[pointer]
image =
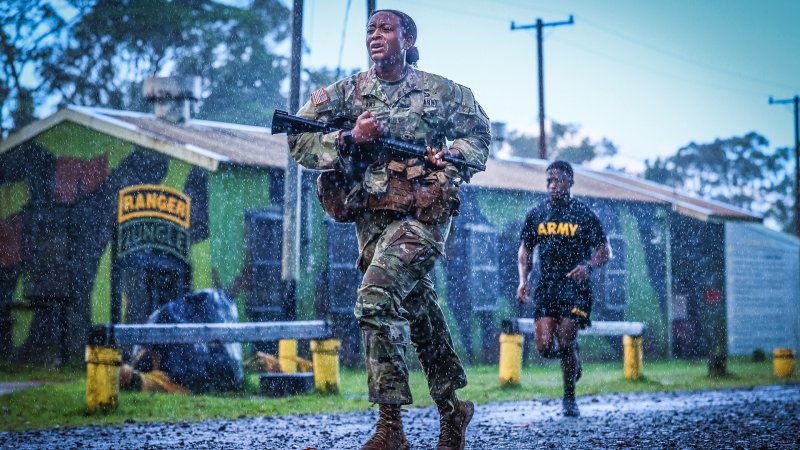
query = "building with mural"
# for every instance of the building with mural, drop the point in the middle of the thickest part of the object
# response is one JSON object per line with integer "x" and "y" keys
{"x": 105, "y": 215}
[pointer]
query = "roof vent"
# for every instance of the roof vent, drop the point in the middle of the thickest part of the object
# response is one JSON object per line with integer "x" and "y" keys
{"x": 172, "y": 96}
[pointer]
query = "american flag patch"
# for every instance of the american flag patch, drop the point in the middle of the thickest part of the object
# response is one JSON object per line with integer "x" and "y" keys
{"x": 319, "y": 96}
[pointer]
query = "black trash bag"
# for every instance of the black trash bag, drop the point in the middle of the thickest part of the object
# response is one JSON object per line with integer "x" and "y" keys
{"x": 205, "y": 366}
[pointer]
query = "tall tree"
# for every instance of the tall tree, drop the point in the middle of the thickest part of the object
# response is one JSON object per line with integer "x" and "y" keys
{"x": 740, "y": 170}
{"x": 32, "y": 31}
{"x": 119, "y": 42}
{"x": 563, "y": 142}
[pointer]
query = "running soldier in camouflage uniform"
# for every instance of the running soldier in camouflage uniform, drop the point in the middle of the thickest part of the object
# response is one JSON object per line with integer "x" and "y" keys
{"x": 402, "y": 210}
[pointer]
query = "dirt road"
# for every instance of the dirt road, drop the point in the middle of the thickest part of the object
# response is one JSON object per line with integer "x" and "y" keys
{"x": 758, "y": 418}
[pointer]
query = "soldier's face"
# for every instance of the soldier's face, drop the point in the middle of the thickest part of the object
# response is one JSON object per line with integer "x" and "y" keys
{"x": 558, "y": 185}
{"x": 386, "y": 42}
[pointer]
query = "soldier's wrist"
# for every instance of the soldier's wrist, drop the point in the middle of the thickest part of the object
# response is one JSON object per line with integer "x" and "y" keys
{"x": 455, "y": 152}
{"x": 345, "y": 138}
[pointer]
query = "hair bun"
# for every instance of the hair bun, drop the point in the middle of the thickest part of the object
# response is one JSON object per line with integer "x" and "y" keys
{"x": 412, "y": 55}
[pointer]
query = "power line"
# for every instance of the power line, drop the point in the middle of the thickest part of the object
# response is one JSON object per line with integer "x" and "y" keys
{"x": 680, "y": 57}
{"x": 460, "y": 11}
{"x": 796, "y": 102}
{"x": 655, "y": 71}
{"x": 539, "y": 26}
{"x": 615, "y": 33}
{"x": 341, "y": 42}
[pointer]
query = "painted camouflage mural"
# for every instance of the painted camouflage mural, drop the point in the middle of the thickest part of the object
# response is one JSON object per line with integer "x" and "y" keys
{"x": 58, "y": 200}
{"x": 632, "y": 287}
{"x": 58, "y": 208}
{"x": 478, "y": 280}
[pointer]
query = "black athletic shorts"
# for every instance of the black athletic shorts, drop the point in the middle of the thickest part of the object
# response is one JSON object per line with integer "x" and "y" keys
{"x": 563, "y": 298}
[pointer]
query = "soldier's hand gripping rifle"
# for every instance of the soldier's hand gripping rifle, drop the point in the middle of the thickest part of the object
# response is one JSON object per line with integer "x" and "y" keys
{"x": 283, "y": 122}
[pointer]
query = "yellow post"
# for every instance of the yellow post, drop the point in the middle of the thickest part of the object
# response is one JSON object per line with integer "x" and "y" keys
{"x": 287, "y": 355}
{"x": 325, "y": 358}
{"x": 102, "y": 378}
{"x": 783, "y": 362}
{"x": 510, "y": 358}
{"x": 632, "y": 352}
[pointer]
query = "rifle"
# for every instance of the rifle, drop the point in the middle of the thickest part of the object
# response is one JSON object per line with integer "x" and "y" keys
{"x": 283, "y": 122}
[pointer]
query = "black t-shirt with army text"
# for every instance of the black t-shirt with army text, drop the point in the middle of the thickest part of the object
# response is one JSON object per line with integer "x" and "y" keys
{"x": 565, "y": 233}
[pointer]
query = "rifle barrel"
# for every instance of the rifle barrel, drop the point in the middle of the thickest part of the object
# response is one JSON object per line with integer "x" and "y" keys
{"x": 283, "y": 122}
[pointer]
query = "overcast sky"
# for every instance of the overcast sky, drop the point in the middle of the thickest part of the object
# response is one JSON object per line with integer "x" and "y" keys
{"x": 651, "y": 76}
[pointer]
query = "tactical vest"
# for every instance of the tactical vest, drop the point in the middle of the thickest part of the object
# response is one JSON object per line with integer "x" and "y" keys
{"x": 389, "y": 183}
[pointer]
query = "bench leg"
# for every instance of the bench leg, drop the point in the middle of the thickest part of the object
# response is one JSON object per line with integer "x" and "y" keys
{"x": 325, "y": 358}
{"x": 510, "y": 358}
{"x": 287, "y": 355}
{"x": 102, "y": 378}
{"x": 632, "y": 351}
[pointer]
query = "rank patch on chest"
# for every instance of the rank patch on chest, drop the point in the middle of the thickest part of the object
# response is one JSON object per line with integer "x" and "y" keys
{"x": 319, "y": 96}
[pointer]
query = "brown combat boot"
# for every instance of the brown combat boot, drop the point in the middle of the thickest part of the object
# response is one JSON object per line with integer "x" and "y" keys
{"x": 453, "y": 421}
{"x": 389, "y": 433}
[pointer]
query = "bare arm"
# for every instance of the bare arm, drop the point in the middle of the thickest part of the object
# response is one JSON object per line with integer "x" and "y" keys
{"x": 599, "y": 258}
{"x": 524, "y": 269}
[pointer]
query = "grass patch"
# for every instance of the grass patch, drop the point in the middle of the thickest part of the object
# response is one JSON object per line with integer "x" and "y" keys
{"x": 61, "y": 403}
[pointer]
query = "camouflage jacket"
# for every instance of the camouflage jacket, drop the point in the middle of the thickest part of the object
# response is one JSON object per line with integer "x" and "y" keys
{"x": 427, "y": 108}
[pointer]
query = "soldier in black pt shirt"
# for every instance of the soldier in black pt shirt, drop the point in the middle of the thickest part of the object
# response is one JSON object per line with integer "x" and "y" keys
{"x": 571, "y": 244}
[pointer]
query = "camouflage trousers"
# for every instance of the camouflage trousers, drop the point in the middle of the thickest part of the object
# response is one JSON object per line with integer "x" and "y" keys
{"x": 397, "y": 304}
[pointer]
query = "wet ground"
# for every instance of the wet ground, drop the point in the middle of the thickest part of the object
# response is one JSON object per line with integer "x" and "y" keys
{"x": 758, "y": 418}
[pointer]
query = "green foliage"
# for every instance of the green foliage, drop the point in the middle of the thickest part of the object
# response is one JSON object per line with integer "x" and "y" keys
{"x": 740, "y": 170}
{"x": 117, "y": 43}
{"x": 317, "y": 78}
{"x": 31, "y": 32}
{"x": 563, "y": 142}
{"x": 97, "y": 53}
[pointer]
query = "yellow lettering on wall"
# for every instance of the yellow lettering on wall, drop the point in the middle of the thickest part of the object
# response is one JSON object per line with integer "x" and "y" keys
{"x": 127, "y": 203}
{"x": 152, "y": 200}
{"x": 180, "y": 210}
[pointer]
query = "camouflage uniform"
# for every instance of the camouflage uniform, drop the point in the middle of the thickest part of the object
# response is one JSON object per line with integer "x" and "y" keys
{"x": 397, "y": 303}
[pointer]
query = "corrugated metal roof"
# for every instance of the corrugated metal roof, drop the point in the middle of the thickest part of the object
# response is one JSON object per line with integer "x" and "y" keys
{"x": 238, "y": 144}
{"x": 207, "y": 144}
{"x": 529, "y": 175}
{"x": 200, "y": 142}
{"x": 718, "y": 209}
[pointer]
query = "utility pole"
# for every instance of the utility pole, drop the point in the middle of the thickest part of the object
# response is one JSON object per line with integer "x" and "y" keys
{"x": 290, "y": 258}
{"x": 370, "y": 10}
{"x": 795, "y": 100}
{"x": 539, "y": 25}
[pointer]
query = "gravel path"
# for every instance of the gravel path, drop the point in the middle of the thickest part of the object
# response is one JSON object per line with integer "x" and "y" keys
{"x": 758, "y": 418}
